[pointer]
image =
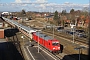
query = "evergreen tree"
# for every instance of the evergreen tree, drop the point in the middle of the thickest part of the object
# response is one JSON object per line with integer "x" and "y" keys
{"x": 23, "y": 12}
{"x": 56, "y": 17}
{"x": 72, "y": 10}
{"x": 64, "y": 12}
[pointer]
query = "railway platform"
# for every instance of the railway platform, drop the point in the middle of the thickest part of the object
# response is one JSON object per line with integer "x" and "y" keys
{"x": 31, "y": 53}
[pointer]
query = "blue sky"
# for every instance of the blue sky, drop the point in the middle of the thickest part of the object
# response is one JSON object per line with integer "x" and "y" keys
{"x": 59, "y": 5}
{"x": 71, "y": 1}
{"x": 6, "y": 1}
{"x": 54, "y": 1}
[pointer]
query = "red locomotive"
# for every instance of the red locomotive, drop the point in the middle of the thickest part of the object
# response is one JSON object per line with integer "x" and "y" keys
{"x": 49, "y": 43}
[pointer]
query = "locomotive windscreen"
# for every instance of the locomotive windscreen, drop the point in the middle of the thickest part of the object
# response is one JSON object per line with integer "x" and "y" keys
{"x": 55, "y": 43}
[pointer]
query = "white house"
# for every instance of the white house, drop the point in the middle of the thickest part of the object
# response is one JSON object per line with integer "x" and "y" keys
{"x": 6, "y": 13}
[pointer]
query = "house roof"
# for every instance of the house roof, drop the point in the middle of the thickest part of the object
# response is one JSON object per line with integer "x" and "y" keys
{"x": 49, "y": 16}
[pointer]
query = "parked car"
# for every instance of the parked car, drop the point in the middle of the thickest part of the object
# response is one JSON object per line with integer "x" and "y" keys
{"x": 60, "y": 28}
{"x": 71, "y": 32}
{"x": 80, "y": 31}
{"x": 82, "y": 35}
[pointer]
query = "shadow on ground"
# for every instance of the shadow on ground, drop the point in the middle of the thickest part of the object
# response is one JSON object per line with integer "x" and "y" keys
{"x": 10, "y": 32}
{"x": 9, "y": 52}
{"x": 75, "y": 57}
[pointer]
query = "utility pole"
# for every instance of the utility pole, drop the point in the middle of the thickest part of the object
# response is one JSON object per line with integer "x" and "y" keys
{"x": 38, "y": 42}
{"x": 53, "y": 31}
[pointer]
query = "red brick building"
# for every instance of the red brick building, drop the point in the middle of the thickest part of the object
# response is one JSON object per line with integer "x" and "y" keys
{"x": 1, "y": 28}
{"x": 1, "y": 33}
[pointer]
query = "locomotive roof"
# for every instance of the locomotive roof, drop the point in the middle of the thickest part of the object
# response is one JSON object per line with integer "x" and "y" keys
{"x": 44, "y": 36}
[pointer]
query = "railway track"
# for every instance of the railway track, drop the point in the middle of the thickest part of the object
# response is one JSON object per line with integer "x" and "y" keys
{"x": 70, "y": 38}
{"x": 67, "y": 36}
{"x": 69, "y": 52}
{"x": 55, "y": 56}
{"x": 59, "y": 56}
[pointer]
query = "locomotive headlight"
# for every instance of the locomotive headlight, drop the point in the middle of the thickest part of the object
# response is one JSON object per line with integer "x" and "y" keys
{"x": 58, "y": 47}
{"x": 53, "y": 48}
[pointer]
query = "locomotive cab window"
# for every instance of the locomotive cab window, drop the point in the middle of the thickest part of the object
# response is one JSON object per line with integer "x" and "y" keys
{"x": 55, "y": 43}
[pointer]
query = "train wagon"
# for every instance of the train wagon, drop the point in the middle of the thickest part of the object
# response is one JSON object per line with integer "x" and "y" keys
{"x": 48, "y": 42}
